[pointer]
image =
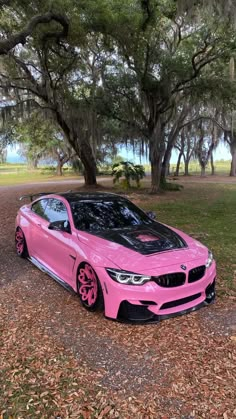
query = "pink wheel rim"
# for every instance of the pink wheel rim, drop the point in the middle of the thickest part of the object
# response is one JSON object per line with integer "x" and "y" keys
{"x": 19, "y": 242}
{"x": 88, "y": 287}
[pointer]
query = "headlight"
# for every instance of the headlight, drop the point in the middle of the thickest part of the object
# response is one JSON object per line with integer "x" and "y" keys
{"x": 209, "y": 259}
{"x": 129, "y": 278}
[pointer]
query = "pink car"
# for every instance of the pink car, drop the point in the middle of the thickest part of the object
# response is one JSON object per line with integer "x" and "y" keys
{"x": 115, "y": 256}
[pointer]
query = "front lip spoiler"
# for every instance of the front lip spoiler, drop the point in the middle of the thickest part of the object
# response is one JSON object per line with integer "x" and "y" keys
{"x": 182, "y": 312}
{"x": 158, "y": 318}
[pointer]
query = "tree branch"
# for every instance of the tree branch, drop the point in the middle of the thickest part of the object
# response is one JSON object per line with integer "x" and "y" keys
{"x": 20, "y": 38}
{"x": 145, "y": 5}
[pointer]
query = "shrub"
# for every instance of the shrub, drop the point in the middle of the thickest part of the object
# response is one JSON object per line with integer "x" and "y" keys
{"x": 129, "y": 171}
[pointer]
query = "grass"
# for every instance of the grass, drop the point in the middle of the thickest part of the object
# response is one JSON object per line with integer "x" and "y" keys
{"x": 208, "y": 212}
{"x": 22, "y": 176}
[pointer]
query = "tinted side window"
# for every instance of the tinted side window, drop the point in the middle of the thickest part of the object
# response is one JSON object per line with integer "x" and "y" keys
{"x": 55, "y": 211}
{"x": 39, "y": 207}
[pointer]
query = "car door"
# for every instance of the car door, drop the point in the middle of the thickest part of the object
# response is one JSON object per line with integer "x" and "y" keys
{"x": 59, "y": 253}
{"x": 37, "y": 218}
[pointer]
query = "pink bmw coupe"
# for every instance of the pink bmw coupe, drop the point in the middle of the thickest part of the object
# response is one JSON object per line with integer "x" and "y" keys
{"x": 115, "y": 256}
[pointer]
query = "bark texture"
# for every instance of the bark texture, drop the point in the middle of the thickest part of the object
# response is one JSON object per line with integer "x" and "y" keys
{"x": 178, "y": 163}
{"x": 233, "y": 161}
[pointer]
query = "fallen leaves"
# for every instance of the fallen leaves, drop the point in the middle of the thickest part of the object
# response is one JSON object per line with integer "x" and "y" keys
{"x": 177, "y": 368}
{"x": 58, "y": 361}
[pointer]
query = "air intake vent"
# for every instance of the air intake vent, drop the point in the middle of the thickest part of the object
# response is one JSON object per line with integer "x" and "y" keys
{"x": 177, "y": 303}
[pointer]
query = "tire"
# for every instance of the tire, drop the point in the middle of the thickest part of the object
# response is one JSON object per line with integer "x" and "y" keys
{"x": 89, "y": 288}
{"x": 20, "y": 242}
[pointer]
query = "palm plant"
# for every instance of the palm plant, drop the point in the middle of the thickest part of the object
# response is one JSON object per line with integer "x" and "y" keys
{"x": 129, "y": 171}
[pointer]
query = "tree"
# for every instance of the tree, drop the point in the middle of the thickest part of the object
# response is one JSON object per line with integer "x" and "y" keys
{"x": 21, "y": 37}
{"x": 40, "y": 139}
{"x": 48, "y": 74}
{"x": 177, "y": 124}
{"x": 225, "y": 8}
{"x": 159, "y": 59}
{"x": 6, "y": 139}
{"x": 229, "y": 131}
{"x": 130, "y": 61}
{"x": 224, "y": 120}
{"x": 188, "y": 149}
{"x": 3, "y": 152}
{"x": 61, "y": 153}
{"x": 207, "y": 141}
{"x": 186, "y": 144}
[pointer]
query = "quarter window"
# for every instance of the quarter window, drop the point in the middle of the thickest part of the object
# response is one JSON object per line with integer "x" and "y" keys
{"x": 39, "y": 207}
{"x": 55, "y": 211}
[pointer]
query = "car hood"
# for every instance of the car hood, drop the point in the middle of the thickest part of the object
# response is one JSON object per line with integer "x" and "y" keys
{"x": 144, "y": 248}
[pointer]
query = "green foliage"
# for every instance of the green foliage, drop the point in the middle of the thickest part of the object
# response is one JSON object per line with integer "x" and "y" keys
{"x": 76, "y": 165}
{"x": 40, "y": 138}
{"x": 129, "y": 171}
{"x": 120, "y": 73}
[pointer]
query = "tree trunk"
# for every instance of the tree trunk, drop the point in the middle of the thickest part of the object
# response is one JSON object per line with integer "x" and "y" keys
{"x": 203, "y": 170}
{"x": 168, "y": 173}
{"x": 59, "y": 168}
{"x": 156, "y": 165}
{"x": 186, "y": 167}
{"x": 178, "y": 163}
{"x": 166, "y": 164}
{"x": 3, "y": 156}
{"x": 82, "y": 147}
{"x": 89, "y": 163}
{"x": 156, "y": 153}
{"x": 33, "y": 164}
{"x": 233, "y": 161}
{"x": 212, "y": 165}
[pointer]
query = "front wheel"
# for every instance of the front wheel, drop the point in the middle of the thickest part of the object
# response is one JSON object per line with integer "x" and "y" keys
{"x": 89, "y": 288}
{"x": 20, "y": 242}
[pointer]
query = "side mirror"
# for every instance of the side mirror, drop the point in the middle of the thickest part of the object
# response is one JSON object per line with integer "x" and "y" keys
{"x": 151, "y": 214}
{"x": 62, "y": 225}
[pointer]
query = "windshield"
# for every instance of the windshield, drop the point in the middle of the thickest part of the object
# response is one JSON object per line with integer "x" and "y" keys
{"x": 105, "y": 215}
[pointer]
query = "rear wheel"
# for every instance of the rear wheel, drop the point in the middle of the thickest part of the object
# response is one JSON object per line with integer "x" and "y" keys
{"x": 21, "y": 246}
{"x": 89, "y": 288}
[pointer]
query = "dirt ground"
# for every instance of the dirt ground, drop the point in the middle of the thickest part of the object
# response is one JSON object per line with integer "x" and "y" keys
{"x": 86, "y": 366}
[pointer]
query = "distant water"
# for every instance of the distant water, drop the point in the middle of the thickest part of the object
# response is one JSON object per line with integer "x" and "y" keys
{"x": 15, "y": 159}
{"x": 13, "y": 155}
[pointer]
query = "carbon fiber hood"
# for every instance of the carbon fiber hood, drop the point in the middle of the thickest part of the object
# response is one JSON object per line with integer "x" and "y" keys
{"x": 145, "y": 240}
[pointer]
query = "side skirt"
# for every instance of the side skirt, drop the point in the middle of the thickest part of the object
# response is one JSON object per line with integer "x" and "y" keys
{"x": 43, "y": 268}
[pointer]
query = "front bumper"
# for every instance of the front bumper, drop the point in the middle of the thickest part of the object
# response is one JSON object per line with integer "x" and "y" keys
{"x": 141, "y": 314}
{"x": 152, "y": 303}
